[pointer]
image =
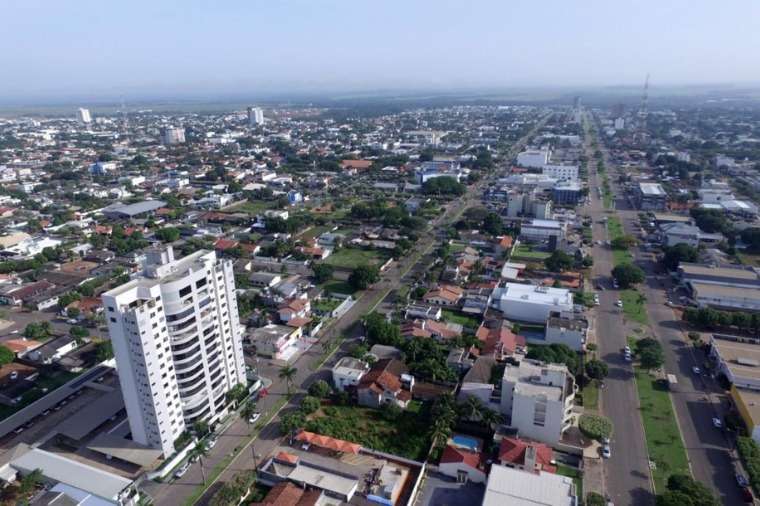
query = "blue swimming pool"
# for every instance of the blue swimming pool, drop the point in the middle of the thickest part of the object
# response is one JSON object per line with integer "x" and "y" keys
{"x": 465, "y": 442}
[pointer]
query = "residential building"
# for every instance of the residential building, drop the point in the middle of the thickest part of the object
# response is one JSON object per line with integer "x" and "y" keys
{"x": 444, "y": 295}
{"x": 507, "y": 486}
{"x": 438, "y": 168}
{"x": 348, "y": 372}
{"x": 172, "y": 135}
{"x": 426, "y": 312}
{"x": 537, "y": 399}
{"x": 498, "y": 340}
{"x": 477, "y": 382}
{"x": 276, "y": 341}
{"x": 526, "y": 455}
{"x": 387, "y": 382}
{"x": 565, "y": 328}
{"x": 561, "y": 172}
{"x": 463, "y": 464}
{"x": 533, "y": 158}
{"x": 255, "y": 116}
{"x": 531, "y": 303}
{"x": 102, "y": 168}
{"x": 83, "y": 116}
{"x": 177, "y": 343}
{"x": 651, "y": 197}
{"x": 691, "y": 235}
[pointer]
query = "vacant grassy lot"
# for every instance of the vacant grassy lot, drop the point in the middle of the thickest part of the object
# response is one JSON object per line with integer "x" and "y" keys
{"x": 527, "y": 252}
{"x": 313, "y": 232}
{"x": 252, "y": 208}
{"x": 405, "y": 435}
{"x": 634, "y": 306}
{"x": 464, "y": 320}
{"x": 336, "y": 286}
{"x": 664, "y": 442}
{"x": 619, "y": 256}
{"x": 350, "y": 258}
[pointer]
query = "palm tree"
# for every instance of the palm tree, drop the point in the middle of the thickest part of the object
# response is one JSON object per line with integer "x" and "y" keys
{"x": 247, "y": 412}
{"x": 490, "y": 417}
{"x": 288, "y": 373}
{"x": 474, "y": 408}
{"x": 200, "y": 450}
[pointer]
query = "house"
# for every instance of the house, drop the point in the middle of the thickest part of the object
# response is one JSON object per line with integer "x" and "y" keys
{"x": 430, "y": 328}
{"x": 348, "y": 372}
{"x": 650, "y": 197}
{"x": 526, "y": 455}
{"x": 275, "y": 341}
{"x": 426, "y": 312}
{"x": 22, "y": 346}
{"x": 498, "y": 340}
{"x": 384, "y": 384}
{"x": 540, "y": 230}
{"x": 264, "y": 279}
{"x": 294, "y": 308}
{"x": 286, "y": 493}
{"x": 537, "y": 399}
{"x": 463, "y": 464}
{"x": 507, "y": 486}
{"x": 15, "y": 295}
{"x": 52, "y": 350}
{"x": 680, "y": 233}
{"x": 477, "y": 382}
{"x": 444, "y": 295}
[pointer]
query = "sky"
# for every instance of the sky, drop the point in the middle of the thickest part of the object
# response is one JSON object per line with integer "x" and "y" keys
{"x": 51, "y": 48}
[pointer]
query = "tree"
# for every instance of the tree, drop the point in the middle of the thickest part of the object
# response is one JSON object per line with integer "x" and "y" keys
{"x": 596, "y": 369}
{"x": 288, "y": 373}
{"x": 650, "y": 353}
{"x": 199, "y": 451}
{"x": 320, "y": 389}
{"x": 310, "y": 404}
{"x": 167, "y": 234}
{"x": 681, "y": 252}
{"x": 443, "y": 185}
{"x": 697, "y": 492}
{"x": 6, "y": 355}
{"x": 673, "y": 498}
{"x": 291, "y": 422}
{"x": 627, "y": 275}
{"x": 322, "y": 272}
{"x": 595, "y": 499}
{"x": 555, "y": 353}
{"x": 73, "y": 312}
{"x": 559, "y": 261}
{"x": 595, "y": 426}
{"x": 78, "y": 332}
{"x": 623, "y": 242}
{"x": 29, "y": 482}
{"x": 104, "y": 351}
{"x": 38, "y": 331}
{"x": 363, "y": 276}
{"x": 751, "y": 237}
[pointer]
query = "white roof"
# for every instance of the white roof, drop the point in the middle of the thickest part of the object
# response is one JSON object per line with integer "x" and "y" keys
{"x": 533, "y": 293}
{"x": 324, "y": 480}
{"x": 512, "y": 487}
{"x": 651, "y": 189}
{"x": 545, "y": 223}
{"x": 70, "y": 472}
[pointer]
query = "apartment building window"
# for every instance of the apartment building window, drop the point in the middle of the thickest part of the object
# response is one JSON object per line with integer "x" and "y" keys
{"x": 539, "y": 411}
{"x": 185, "y": 291}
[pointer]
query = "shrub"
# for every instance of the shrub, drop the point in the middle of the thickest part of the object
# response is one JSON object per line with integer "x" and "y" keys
{"x": 750, "y": 455}
{"x": 595, "y": 426}
{"x": 310, "y": 404}
{"x": 320, "y": 389}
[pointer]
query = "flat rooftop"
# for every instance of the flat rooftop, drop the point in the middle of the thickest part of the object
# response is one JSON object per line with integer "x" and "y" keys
{"x": 722, "y": 291}
{"x": 742, "y": 359}
{"x": 652, "y": 189}
{"x": 513, "y": 487}
{"x": 710, "y": 271}
{"x": 751, "y": 401}
{"x": 535, "y": 293}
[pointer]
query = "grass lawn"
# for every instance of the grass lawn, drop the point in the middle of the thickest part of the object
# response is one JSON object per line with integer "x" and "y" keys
{"x": 336, "y": 286}
{"x": 664, "y": 442}
{"x": 590, "y": 395}
{"x": 749, "y": 259}
{"x": 464, "y": 320}
{"x": 574, "y": 473}
{"x": 350, "y": 258}
{"x": 405, "y": 435}
{"x": 619, "y": 256}
{"x": 313, "y": 232}
{"x": 583, "y": 298}
{"x": 253, "y": 208}
{"x": 325, "y": 305}
{"x": 526, "y": 251}
{"x": 633, "y": 306}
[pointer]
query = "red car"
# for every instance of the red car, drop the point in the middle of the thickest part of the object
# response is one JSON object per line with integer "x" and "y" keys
{"x": 747, "y": 495}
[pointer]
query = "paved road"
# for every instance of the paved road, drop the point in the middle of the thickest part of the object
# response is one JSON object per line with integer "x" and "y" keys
{"x": 626, "y": 474}
{"x": 697, "y": 399}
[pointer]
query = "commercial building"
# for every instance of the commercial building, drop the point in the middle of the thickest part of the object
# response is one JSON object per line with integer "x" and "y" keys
{"x": 747, "y": 403}
{"x": 438, "y": 168}
{"x": 507, "y": 486}
{"x": 561, "y": 172}
{"x": 255, "y": 116}
{"x": 738, "y": 361}
{"x": 537, "y": 399}
{"x": 83, "y": 116}
{"x": 567, "y": 194}
{"x": 726, "y": 297}
{"x": 533, "y": 158}
{"x": 740, "y": 277}
{"x": 681, "y": 233}
{"x": 543, "y": 231}
{"x": 177, "y": 343}
{"x": 651, "y": 197}
{"x": 129, "y": 211}
{"x": 565, "y": 328}
{"x": 172, "y": 135}
{"x": 531, "y": 303}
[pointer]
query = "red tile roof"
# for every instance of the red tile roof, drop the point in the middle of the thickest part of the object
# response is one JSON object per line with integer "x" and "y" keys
{"x": 454, "y": 455}
{"x": 512, "y": 450}
{"x": 223, "y": 244}
{"x": 497, "y": 337}
{"x": 328, "y": 442}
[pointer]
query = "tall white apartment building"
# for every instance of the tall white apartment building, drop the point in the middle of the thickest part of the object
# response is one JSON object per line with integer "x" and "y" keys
{"x": 537, "y": 399}
{"x": 177, "y": 343}
{"x": 172, "y": 135}
{"x": 255, "y": 116}
{"x": 83, "y": 116}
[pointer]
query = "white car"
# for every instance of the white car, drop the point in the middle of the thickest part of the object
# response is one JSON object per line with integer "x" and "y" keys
{"x": 606, "y": 451}
{"x": 717, "y": 423}
{"x": 619, "y": 303}
{"x": 181, "y": 471}
{"x": 627, "y": 350}
{"x": 255, "y": 416}
{"x": 696, "y": 370}
{"x": 211, "y": 443}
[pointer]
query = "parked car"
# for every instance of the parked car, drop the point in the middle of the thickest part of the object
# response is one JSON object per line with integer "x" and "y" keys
{"x": 255, "y": 416}
{"x": 619, "y": 303}
{"x": 179, "y": 473}
{"x": 211, "y": 443}
{"x": 741, "y": 480}
{"x": 606, "y": 451}
{"x": 696, "y": 370}
{"x": 747, "y": 495}
{"x": 717, "y": 423}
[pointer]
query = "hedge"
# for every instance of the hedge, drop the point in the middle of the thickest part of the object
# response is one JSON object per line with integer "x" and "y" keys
{"x": 595, "y": 426}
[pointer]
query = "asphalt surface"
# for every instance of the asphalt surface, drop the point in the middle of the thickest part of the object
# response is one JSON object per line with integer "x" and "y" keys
{"x": 626, "y": 474}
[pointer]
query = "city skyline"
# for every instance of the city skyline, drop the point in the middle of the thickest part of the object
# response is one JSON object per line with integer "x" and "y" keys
{"x": 188, "y": 49}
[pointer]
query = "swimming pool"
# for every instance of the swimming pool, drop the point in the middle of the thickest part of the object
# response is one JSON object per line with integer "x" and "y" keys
{"x": 466, "y": 442}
